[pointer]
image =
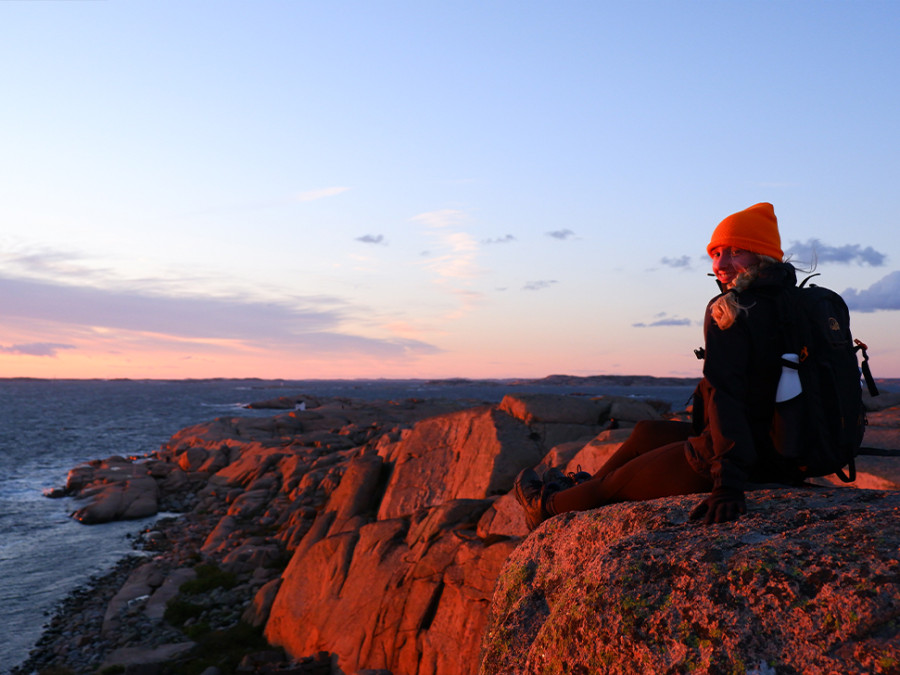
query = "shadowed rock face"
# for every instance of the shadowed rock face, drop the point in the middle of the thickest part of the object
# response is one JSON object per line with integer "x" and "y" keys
{"x": 808, "y": 582}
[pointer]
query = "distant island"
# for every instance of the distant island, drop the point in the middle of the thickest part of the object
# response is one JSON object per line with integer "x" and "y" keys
{"x": 550, "y": 380}
{"x": 613, "y": 380}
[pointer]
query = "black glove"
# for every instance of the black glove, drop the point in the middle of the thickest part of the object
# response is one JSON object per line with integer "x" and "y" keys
{"x": 722, "y": 505}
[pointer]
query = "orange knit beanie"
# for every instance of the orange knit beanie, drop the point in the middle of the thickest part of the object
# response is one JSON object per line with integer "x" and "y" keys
{"x": 754, "y": 229}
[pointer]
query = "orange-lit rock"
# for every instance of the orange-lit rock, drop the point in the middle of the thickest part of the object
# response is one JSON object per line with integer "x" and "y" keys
{"x": 399, "y": 566}
{"x": 397, "y": 519}
{"x": 807, "y": 582}
{"x": 470, "y": 454}
{"x": 553, "y": 409}
{"x": 408, "y": 597}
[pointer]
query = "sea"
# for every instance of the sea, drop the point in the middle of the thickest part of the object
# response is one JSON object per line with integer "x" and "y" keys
{"x": 50, "y": 426}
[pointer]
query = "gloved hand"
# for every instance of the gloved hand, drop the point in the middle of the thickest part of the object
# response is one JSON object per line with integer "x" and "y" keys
{"x": 722, "y": 505}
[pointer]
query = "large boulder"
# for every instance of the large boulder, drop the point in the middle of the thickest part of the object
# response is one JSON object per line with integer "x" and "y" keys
{"x": 113, "y": 489}
{"x": 398, "y": 569}
{"x": 471, "y": 454}
{"x": 807, "y": 582}
{"x": 406, "y": 596}
{"x": 556, "y": 409}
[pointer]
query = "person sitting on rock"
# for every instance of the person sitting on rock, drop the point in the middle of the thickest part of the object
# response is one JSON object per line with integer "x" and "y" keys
{"x": 727, "y": 445}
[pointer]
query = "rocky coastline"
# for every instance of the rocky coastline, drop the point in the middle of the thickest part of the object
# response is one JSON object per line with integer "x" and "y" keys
{"x": 346, "y": 537}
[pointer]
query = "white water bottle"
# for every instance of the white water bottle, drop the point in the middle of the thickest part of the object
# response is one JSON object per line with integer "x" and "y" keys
{"x": 789, "y": 384}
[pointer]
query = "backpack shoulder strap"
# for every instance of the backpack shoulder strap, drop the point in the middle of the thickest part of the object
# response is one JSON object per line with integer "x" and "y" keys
{"x": 791, "y": 315}
{"x": 866, "y": 371}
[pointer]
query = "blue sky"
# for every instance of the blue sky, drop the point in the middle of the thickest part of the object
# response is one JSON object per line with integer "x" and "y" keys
{"x": 408, "y": 189}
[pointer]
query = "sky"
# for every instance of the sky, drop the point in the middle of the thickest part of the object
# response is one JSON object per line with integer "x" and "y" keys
{"x": 409, "y": 189}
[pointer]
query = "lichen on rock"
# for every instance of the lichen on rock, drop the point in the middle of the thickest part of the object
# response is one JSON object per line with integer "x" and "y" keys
{"x": 808, "y": 582}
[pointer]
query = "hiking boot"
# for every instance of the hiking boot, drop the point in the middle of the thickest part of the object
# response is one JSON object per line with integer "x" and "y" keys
{"x": 556, "y": 477}
{"x": 566, "y": 480}
{"x": 533, "y": 493}
{"x": 578, "y": 476}
{"x": 529, "y": 492}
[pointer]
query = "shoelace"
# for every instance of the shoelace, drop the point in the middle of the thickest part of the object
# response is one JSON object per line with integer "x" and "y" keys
{"x": 578, "y": 476}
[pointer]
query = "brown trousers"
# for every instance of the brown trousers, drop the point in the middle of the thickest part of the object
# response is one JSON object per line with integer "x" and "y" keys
{"x": 650, "y": 464}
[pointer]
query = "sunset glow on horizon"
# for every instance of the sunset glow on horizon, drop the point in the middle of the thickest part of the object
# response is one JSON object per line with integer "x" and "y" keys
{"x": 398, "y": 190}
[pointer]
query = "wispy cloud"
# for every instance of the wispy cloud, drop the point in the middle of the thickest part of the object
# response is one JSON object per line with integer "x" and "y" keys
{"x": 884, "y": 294}
{"x": 684, "y": 262}
{"x": 457, "y": 261}
{"x": 186, "y": 316}
{"x": 35, "y": 349}
{"x": 561, "y": 234}
{"x": 452, "y": 260}
{"x": 454, "y": 253}
{"x": 441, "y": 218}
{"x": 322, "y": 193}
{"x": 71, "y": 267}
{"x": 499, "y": 240}
{"x": 813, "y": 249}
{"x": 539, "y": 285}
{"x": 308, "y": 325}
{"x": 47, "y": 263}
{"x": 372, "y": 239}
{"x": 663, "y": 319}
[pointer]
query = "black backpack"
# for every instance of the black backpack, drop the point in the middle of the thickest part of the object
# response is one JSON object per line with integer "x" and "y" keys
{"x": 822, "y": 428}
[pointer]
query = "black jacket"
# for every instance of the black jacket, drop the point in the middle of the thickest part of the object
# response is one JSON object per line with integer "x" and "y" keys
{"x": 735, "y": 402}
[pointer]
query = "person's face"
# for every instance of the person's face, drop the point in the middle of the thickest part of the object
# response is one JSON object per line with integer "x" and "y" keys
{"x": 728, "y": 262}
